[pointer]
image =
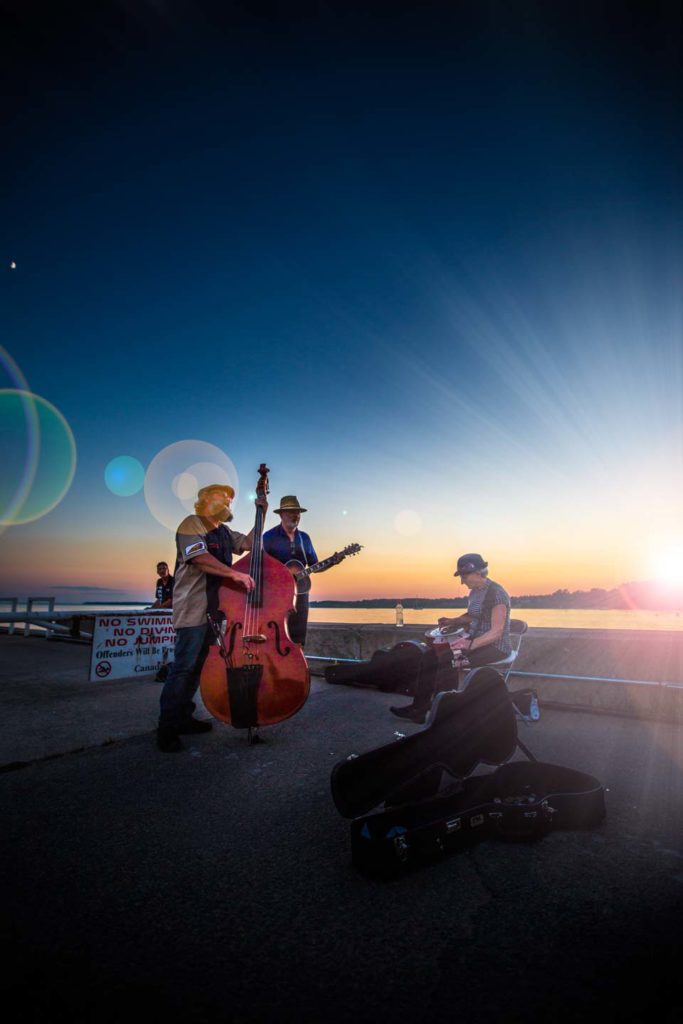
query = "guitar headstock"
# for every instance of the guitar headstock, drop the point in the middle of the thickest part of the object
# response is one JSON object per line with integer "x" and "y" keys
{"x": 350, "y": 549}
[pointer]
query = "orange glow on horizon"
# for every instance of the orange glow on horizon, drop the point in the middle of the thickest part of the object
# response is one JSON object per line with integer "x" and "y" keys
{"x": 385, "y": 569}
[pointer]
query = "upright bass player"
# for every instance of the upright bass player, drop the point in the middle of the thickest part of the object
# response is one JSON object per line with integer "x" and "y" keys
{"x": 254, "y": 675}
{"x": 205, "y": 547}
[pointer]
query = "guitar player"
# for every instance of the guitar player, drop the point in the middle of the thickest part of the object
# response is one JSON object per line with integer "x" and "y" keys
{"x": 287, "y": 543}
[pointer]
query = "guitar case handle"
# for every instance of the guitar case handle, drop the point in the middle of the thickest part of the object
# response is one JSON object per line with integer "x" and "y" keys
{"x": 521, "y": 822}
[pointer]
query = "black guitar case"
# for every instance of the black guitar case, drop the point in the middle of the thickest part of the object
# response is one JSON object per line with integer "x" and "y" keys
{"x": 392, "y": 669}
{"x": 397, "y": 669}
{"x": 416, "y": 798}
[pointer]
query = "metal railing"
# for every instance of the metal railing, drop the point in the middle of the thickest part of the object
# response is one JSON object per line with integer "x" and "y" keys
{"x": 530, "y": 675}
{"x": 54, "y": 623}
{"x": 14, "y": 601}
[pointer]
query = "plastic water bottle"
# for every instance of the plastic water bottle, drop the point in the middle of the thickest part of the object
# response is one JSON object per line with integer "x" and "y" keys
{"x": 399, "y": 614}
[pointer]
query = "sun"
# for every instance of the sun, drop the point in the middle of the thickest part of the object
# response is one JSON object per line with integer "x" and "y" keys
{"x": 668, "y": 566}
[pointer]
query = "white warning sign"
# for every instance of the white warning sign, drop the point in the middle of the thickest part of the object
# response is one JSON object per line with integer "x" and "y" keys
{"x": 132, "y": 644}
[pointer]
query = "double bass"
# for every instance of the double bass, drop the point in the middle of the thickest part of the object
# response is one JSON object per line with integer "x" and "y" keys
{"x": 254, "y": 674}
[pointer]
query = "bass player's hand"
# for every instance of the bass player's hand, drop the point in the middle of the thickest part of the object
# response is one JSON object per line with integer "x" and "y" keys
{"x": 242, "y": 580}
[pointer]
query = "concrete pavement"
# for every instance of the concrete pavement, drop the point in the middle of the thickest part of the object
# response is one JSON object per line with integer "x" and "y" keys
{"x": 216, "y": 884}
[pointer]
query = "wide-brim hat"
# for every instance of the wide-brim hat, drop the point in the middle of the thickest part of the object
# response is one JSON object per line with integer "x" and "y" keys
{"x": 226, "y": 488}
{"x": 470, "y": 563}
{"x": 290, "y": 503}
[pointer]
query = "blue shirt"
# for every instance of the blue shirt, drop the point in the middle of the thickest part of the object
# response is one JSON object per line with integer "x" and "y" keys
{"x": 277, "y": 543}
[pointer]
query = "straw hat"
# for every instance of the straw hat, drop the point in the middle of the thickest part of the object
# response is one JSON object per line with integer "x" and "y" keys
{"x": 290, "y": 503}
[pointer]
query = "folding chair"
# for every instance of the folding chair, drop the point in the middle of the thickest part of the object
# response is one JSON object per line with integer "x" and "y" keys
{"x": 517, "y": 630}
{"x": 526, "y": 702}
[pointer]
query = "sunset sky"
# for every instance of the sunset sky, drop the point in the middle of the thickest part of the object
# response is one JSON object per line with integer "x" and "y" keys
{"x": 424, "y": 260}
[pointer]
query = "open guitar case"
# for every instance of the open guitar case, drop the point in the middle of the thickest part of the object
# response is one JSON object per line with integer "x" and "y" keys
{"x": 416, "y": 799}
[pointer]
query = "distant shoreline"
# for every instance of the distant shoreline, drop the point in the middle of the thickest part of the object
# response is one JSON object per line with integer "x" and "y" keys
{"x": 416, "y": 604}
{"x": 550, "y": 601}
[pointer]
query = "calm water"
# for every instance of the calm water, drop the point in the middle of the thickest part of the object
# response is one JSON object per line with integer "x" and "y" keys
{"x": 550, "y": 618}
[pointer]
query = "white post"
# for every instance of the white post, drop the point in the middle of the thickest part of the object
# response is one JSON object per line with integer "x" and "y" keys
{"x": 14, "y": 601}
{"x": 50, "y": 601}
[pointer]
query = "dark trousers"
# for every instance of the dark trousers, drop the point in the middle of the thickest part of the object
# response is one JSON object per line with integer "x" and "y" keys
{"x": 484, "y": 655}
{"x": 437, "y": 672}
{"x": 298, "y": 620}
{"x": 191, "y": 647}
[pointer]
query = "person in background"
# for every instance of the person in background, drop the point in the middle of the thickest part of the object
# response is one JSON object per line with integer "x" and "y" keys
{"x": 164, "y": 588}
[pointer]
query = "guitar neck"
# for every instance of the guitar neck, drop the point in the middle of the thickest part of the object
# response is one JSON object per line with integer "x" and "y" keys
{"x": 318, "y": 567}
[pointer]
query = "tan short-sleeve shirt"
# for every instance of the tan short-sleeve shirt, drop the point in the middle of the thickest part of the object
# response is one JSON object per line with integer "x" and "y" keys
{"x": 195, "y": 536}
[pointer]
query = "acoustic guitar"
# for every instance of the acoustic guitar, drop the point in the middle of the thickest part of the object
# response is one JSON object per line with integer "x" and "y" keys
{"x": 302, "y": 573}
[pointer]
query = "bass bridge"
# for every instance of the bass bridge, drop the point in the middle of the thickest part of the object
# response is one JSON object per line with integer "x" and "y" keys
{"x": 248, "y": 640}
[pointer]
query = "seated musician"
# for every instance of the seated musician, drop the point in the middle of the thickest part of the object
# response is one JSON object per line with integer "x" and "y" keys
{"x": 486, "y": 638}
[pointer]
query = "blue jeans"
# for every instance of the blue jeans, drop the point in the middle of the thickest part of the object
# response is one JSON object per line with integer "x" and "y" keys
{"x": 191, "y": 646}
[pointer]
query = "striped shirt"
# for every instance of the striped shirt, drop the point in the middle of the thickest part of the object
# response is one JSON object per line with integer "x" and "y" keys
{"x": 480, "y": 604}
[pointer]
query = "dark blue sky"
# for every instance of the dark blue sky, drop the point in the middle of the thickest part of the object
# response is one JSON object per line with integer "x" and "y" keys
{"x": 381, "y": 246}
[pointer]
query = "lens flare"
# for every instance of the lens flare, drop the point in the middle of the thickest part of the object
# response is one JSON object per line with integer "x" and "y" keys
{"x": 9, "y": 369}
{"x": 21, "y": 458}
{"x": 39, "y": 458}
{"x": 668, "y": 566}
{"x": 176, "y": 473}
{"x": 184, "y": 486}
{"x": 204, "y": 473}
{"x": 124, "y": 476}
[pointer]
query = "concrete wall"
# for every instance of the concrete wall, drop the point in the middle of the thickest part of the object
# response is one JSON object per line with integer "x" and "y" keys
{"x": 638, "y": 655}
